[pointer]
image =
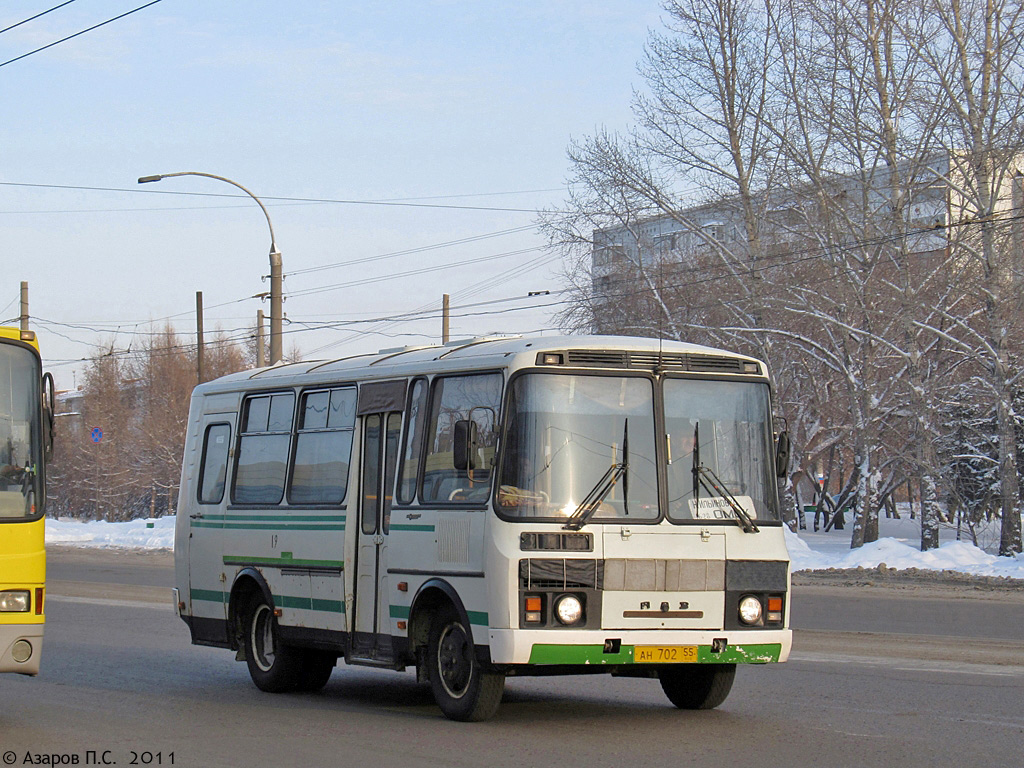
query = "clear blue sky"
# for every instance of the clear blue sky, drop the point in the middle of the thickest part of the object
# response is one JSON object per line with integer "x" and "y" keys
{"x": 354, "y": 101}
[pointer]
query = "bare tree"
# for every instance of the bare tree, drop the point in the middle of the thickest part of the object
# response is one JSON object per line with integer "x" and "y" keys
{"x": 972, "y": 51}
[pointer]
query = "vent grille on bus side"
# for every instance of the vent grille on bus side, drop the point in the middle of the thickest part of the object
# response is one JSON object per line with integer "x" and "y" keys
{"x": 587, "y": 358}
{"x": 453, "y": 540}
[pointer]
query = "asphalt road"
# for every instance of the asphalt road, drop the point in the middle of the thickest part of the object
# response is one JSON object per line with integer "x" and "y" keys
{"x": 120, "y": 676}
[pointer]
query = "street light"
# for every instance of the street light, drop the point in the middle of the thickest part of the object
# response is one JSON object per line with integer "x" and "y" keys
{"x": 276, "y": 270}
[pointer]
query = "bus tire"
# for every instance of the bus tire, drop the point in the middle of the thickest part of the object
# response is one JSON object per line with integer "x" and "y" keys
{"x": 697, "y": 686}
{"x": 316, "y": 670}
{"x": 273, "y": 666}
{"x": 462, "y": 688}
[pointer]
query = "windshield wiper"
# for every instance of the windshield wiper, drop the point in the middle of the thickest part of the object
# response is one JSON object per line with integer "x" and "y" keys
{"x": 593, "y": 500}
{"x": 703, "y": 475}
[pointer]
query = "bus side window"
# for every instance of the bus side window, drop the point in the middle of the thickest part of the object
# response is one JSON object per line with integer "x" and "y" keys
{"x": 262, "y": 460}
{"x": 415, "y": 417}
{"x": 214, "y": 467}
{"x": 323, "y": 447}
{"x": 461, "y": 398}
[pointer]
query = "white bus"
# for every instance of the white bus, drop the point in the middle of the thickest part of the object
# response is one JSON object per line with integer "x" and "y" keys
{"x": 485, "y": 509}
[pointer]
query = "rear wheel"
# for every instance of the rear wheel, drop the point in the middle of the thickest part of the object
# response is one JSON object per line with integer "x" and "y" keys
{"x": 462, "y": 688}
{"x": 697, "y": 686}
{"x": 316, "y": 670}
{"x": 273, "y": 666}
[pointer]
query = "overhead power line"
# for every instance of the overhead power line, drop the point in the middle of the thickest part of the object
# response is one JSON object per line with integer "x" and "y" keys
{"x": 33, "y": 18}
{"x": 70, "y": 37}
{"x": 336, "y": 201}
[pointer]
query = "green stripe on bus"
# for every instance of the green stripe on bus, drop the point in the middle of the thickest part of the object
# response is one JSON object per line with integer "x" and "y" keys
{"x": 282, "y": 562}
{"x": 402, "y": 527}
{"x": 228, "y": 517}
{"x": 267, "y": 527}
{"x": 328, "y": 606}
{"x": 281, "y": 601}
{"x": 544, "y": 653}
{"x": 308, "y": 604}
{"x": 210, "y": 595}
{"x": 479, "y": 618}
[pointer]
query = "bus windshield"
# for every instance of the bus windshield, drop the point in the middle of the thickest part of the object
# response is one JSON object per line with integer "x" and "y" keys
{"x": 20, "y": 431}
{"x": 732, "y": 421}
{"x": 565, "y": 433}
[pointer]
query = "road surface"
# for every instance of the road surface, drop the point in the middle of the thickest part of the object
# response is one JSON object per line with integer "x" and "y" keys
{"x": 120, "y": 678}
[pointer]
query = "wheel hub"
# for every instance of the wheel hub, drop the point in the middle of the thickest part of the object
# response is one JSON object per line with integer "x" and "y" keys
{"x": 454, "y": 662}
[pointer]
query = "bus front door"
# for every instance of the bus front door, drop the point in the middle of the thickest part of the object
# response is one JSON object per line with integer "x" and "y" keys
{"x": 372, "y": 625}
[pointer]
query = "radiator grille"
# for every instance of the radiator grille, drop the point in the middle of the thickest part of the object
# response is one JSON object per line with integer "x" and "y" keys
{"x": 537, "y": 573}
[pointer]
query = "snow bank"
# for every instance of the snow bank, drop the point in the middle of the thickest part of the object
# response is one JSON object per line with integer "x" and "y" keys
{"x": 896, "y": 553}
{"x": 157, "y": 533}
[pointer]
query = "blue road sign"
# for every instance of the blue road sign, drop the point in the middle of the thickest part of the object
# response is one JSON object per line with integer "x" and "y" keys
{"x": 96, "y": 434}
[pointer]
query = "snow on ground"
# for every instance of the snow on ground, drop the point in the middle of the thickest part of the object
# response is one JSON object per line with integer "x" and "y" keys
{"x": 135, "y": 534}
{"x": 898, "y": 547}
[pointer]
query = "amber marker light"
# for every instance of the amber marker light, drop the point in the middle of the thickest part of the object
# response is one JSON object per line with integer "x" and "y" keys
{"x": 533, "y": 609}
{"x": 39, "y": 601}
{"x": 774, "y": 609}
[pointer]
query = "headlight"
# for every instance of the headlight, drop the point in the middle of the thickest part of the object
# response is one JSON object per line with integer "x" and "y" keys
{"x": 568, "y": 609}
{"x": 750, "y": 610}
{"x": 14, "y": 601}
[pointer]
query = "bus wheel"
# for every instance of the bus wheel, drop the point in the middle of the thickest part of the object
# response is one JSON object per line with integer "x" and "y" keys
{"x": 273, "y": 666}
{"x": 462, "y": 689}
{"x": 697, "y": 686}
{"x": 316, "y": 670}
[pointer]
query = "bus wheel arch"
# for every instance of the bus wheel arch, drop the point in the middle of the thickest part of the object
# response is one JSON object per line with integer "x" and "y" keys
{"x": 433, "y": 596}
{"x": 248, "y": 586}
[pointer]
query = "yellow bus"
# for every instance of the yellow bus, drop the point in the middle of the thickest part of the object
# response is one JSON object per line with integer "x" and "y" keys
{"x": 26, "y": 423}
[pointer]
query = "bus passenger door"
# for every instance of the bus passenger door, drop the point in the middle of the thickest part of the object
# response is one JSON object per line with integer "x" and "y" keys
{"x": 381, "y": 433}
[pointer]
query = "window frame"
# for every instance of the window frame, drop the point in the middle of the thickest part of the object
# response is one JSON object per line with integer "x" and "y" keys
{"x": 243, "y": 417}
{"x": 297, "y": 431}
{"x": 427, "y": 436}
{"x": 202, "y": 463}
{"x": 410, "y": 424}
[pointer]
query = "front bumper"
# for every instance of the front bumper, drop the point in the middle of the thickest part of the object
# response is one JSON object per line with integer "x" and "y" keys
{"x": 614, "y": 647}
{"x": 10, "y": 634}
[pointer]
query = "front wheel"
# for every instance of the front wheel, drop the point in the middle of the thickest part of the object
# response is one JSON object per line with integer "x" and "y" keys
{"x": 273, "y": 666}
{"x": 462, "y": 688}
{"x": 697, "y": 686}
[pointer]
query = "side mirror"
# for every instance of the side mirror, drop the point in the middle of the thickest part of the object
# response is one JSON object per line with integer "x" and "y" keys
{"x": 782, "y": 454}
{"x": 48, "y": 416}
{"x": 465, "y": 448}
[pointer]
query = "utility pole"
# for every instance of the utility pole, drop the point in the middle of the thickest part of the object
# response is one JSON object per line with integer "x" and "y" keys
{"x": 199, "y": 335}
{"x": 445, "y": 318}
{"x": 261, "y": 348}
{"x": 276, "y": 302}
{"x": 276, "y": 267}
{"x": 24, "y": 305}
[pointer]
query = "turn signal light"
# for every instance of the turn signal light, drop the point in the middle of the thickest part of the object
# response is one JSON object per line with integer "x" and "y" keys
{"x": 533, "y": 606}
{"x": 39, "y": 601}
{"x": 774, "y": 613}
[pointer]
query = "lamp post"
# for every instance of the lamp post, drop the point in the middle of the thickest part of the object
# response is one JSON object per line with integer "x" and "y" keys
{"x": 276, "y": 269}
